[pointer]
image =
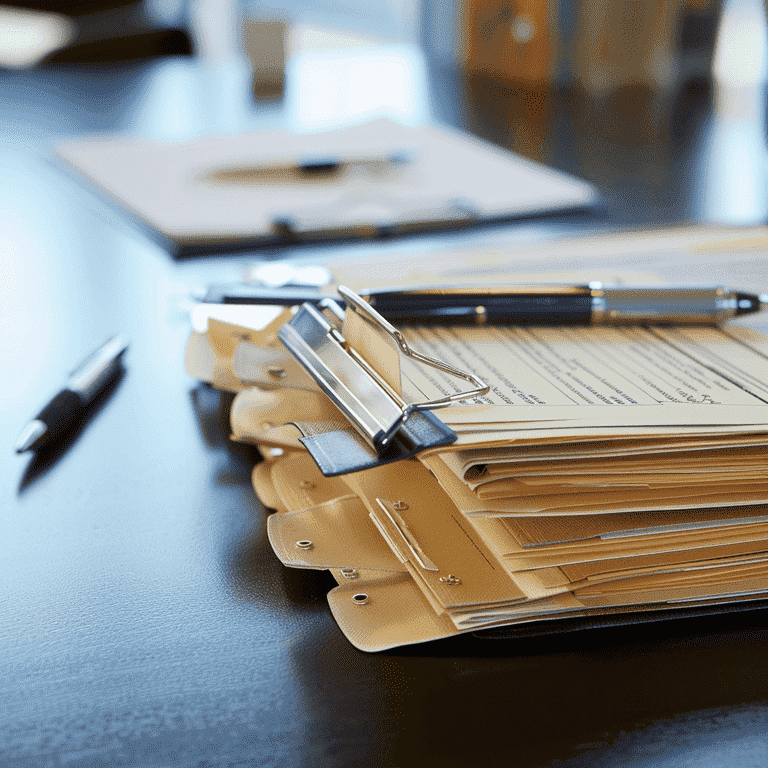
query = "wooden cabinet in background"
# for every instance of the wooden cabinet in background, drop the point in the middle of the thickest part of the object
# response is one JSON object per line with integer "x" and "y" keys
{"x": 515, "y": 41}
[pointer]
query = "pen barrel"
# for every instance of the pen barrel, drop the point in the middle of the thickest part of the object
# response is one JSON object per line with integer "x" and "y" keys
{"x": 246, "y": 293}
{"x": 59, "y": 415}
{"x": 97, "y": 370}
{"x": 523, "y": 309}
{"x": 684, "y": 306}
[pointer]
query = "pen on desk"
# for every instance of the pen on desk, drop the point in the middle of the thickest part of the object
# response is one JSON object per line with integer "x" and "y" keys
{"x": 592, "y": 304}
{"x": 81, "y": 388}
{"x": 319, "y": 167}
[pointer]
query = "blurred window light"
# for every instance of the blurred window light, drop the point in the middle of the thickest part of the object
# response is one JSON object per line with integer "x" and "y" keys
{"x": 216, "y": 29}
{"x": 733, "y": 169}
{"x": 741, "y": 50}
{"x": 165, "y": 11}
{"x": 168, "y": 106}
{"x": 27, "y": 37}
{"x": 338, "y": 88}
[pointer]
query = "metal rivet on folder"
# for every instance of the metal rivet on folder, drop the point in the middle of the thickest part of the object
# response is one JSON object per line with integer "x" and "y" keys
{"x": 304, "y": 544}
{"x": 349, "y": 573}
{"x": 360, "y": 598}
{"x": 277, "y": 373}
{"x": 400, "y": 506}
{"x": 450, "y": 580}
{"x": 308, "y": 484}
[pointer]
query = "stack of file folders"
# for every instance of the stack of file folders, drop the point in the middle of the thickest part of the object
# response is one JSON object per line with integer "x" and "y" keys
{"x": 571, "y": 474}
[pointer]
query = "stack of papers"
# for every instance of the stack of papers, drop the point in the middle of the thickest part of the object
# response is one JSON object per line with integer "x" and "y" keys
{"x": 607, "y": 472}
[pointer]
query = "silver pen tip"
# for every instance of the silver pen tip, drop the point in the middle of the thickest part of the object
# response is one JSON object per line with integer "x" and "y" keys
{"x": 30, "y": 435}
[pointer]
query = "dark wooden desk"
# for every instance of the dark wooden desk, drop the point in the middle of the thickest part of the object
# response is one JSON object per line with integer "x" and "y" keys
{"x": 144, "y": 619}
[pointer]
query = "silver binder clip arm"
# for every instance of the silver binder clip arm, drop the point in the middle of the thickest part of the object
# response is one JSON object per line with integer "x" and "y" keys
{"x": 358, "y": 304}
{"x": 364, "y": 398}
{"x": 320, "y": 349}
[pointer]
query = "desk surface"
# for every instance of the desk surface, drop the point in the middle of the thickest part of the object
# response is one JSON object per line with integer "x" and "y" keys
{"x": 143, "y": 617}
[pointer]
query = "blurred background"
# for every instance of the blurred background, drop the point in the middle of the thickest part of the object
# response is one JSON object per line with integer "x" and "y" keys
{"x": 660, "y": 103}
{"x": 137, "y": 579}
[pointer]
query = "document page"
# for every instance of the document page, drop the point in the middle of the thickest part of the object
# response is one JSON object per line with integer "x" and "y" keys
{"x": 574, "y": 367}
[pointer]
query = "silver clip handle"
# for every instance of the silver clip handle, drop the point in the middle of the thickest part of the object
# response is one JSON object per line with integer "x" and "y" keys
{"x": 358, "y": 304}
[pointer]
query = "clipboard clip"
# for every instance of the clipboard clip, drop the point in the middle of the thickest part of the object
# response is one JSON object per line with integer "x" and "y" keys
{"x": 313, "y": 336}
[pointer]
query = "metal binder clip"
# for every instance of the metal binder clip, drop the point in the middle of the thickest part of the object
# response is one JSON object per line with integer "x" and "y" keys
{"x": 373, "y": 408}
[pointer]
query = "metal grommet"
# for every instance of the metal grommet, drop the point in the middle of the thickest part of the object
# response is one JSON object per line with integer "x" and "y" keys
{"x": 450, "y": 580}
{"x": 304, "y": 544}
{"x": 361, "y": 598}
{"x": 400, "y": 506}
{"x": 349, "y": 573}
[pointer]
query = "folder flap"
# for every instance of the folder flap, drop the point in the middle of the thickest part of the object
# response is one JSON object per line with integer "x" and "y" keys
{"x": 258, "y": 323}
{"x": 202, "y": 361}
{"x": 264, "y": 487}
{"x": 399, "y": 536}
{"x": 256, "y": 411}
{"x": 225, "y": 336}
{"x": 199, "y": 357}
{"x": 268, "y": 367}
{"x": 286, "y": 437}
{"x": 218, "y": 329}
{"x": 341, "y": 451}
{"x": 456, "y": 567}
{"x": 299, "y": 483}
{"x": 386, "y": 611}
{"x": 336, "y": 534}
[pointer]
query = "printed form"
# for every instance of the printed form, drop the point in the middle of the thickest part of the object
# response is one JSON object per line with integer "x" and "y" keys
{"x": 551, "y": 373}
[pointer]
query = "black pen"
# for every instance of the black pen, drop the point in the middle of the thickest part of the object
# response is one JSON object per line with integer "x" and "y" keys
{"x": 317, "y": 167}
{"x": 592, "y": 304}
{"x": 82, "y": 386}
